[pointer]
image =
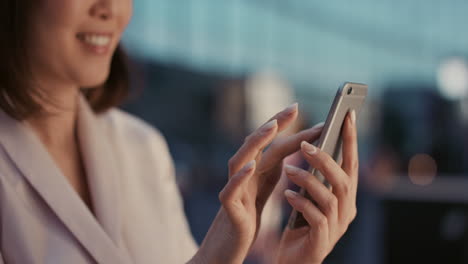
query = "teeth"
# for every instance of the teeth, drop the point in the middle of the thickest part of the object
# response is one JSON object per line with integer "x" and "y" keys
{"x": 97, "y": 40}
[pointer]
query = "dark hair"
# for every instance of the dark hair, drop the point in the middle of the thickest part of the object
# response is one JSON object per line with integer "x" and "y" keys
{"x": 18, "y": 98}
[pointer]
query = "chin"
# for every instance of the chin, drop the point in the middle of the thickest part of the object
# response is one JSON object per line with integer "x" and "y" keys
{"x": 93, "y": 79}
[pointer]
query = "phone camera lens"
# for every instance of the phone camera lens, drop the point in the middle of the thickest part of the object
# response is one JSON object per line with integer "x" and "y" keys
{"x": 350, "y": 90}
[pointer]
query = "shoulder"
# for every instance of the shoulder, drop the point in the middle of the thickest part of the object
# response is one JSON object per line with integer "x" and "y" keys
{"x": 139, "y": 146}
{"x": 132, "y": 129}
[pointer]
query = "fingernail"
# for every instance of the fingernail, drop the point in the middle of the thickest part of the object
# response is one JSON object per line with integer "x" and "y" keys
{"x": 250, "y": 165}
{"x": 291, "y": 194}
{"x": 290, "y": 109}
{"x": 321, "y": 124}
{"x": 269, "y": 126}
{"x": 308, "y": 148}
{"x": 353, "y": 116}
{"x": 291, "y": 169}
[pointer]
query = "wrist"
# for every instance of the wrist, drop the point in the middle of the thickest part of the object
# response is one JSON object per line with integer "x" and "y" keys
{"x": 282, "y": 259}
{"x": 277, "y": 261}
{"x": 199, "y": 257}
{"x": 222, "y": 243}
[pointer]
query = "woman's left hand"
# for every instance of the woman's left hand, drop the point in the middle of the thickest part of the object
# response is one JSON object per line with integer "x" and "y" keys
{"x": 333, "y": 210}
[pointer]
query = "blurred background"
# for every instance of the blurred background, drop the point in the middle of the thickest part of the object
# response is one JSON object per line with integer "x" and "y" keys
{"x": 206, "y": 73}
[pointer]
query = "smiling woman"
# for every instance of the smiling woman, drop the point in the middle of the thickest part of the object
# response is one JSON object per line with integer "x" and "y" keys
{"x": 42, "y": 35}
{"x": 84, "y": 182}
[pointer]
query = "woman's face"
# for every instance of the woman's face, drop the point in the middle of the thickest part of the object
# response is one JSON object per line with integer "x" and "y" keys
{"x": 72, "y": 41}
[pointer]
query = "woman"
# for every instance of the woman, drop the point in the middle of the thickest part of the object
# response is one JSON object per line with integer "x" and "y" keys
{"x": 83, "y": 182}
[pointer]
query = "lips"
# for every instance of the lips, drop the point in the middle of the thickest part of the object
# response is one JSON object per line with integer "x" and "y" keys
{"x": 98, "y": 43}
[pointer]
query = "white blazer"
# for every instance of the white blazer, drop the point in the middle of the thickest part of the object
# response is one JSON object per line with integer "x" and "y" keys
{"x": 138, "y": 210}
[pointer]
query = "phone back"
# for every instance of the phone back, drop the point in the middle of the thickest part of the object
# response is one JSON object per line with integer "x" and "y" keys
{"x": 349, "y": 97}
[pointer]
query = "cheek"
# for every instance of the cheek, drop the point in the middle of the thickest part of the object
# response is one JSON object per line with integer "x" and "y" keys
{"x": 125, "y": 14}
{"x": 53, "y": 26}
{"x": 59, "y": 13}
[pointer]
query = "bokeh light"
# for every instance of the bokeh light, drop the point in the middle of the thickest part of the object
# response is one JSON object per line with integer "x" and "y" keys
{"x": 452, "y": 78}
{"x": 422, "y": 169}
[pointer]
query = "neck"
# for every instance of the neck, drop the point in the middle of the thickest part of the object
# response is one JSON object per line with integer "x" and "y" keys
{"x": 56, "y": 128}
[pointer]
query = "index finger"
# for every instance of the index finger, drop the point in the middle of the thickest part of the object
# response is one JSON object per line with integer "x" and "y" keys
{"x": 287, "y": 146}
{"x": 286, "y": 116}
{"x": 253, "y": 144}
{"x": 258, "y": 140}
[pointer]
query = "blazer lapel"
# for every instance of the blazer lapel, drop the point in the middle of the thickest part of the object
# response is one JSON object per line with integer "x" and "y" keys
{"x": 32, "y": 159}
{"x": 101, "y": 168}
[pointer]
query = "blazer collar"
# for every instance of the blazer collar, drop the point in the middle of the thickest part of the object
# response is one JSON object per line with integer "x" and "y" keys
{"x": 101, "y": 236}
{"x": 101, "y": 168}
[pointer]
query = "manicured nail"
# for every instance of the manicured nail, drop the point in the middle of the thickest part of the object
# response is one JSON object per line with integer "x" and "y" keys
{"x": 291, "y": 194}
{"x": 353, "y": 116}
{"x": 321, "y": 124}
{"x": 250, "y": 165}
{"x": 269, "y": 126}
{"x": 291, "y": 169}
{"x": 290, "y": 109}
{"x": 308, "y": 148}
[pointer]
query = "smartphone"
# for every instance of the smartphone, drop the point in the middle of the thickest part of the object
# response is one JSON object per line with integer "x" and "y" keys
{"x": 350, "y": 96}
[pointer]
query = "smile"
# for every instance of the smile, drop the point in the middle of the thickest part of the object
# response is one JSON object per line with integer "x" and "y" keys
{"x": 96, "y": 42}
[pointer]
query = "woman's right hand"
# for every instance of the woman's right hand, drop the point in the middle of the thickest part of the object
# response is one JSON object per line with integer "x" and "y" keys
{"x": 253, "y": 175}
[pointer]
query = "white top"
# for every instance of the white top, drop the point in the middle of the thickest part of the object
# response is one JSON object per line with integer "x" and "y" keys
{"x": 138, "y": 210}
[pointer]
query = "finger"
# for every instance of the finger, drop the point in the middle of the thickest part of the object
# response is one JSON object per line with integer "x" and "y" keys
{"x": 287, "y": 146}
{"x": 261, "y": 137}
{"x": 233, "y": 190}
{"x": 316, "y": 219}
{"x": 286, "y": 117}
{"x": 253, "y": 145}
{"x": 325, "y": 199}
{"x": 328, "y": 167}
{"x": 273, "y": 157}
{"x": 350, "y": 146}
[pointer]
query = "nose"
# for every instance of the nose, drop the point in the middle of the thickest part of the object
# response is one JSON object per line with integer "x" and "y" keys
{"x": 102, "y": 9}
